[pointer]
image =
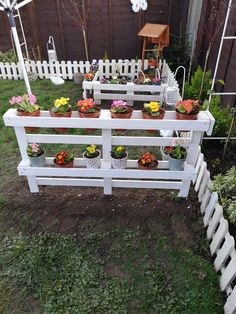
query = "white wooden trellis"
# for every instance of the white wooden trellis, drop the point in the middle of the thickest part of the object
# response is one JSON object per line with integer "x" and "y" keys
{"x": 222, "y": 244}
{"x": 107, "y": 177}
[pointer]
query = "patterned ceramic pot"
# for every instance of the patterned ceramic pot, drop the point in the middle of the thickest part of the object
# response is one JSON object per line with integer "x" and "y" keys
{"x": 39, "y": 161}
{"x": 93, "y": 163}
{"x": 119, "y": 163}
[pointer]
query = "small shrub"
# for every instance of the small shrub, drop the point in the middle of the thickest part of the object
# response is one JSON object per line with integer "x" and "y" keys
{"x": 8, "y": 56}
{"x": 225, "y": 186}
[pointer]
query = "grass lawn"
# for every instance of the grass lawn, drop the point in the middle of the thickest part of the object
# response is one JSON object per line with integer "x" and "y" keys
{"x": 72, "y": 250}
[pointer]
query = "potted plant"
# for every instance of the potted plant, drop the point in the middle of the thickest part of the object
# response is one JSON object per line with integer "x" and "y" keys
{"x": 36, "y": 155}
{"x": 187, "y": 109}
{"x": 165, "y": 152}
{"x": 176, "y": 156}
{"x": 92, "y": 157}
{"x": 120, "y": 110}
{"x": 26, "y": 106}
{"x": 88, "y": 109}
{"x": 119, "y": 157}
{"x": 153, "y": 110}
{"x": 89, "y": 76}
{"x": 61, "y": 109}
{"x": 78, "y": 78}
{"x": 64, "y": 159}
{"x": 147, "y": 162}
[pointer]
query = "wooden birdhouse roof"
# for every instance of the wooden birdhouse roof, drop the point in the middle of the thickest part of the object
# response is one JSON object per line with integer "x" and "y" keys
{"x": 153, "y": 30}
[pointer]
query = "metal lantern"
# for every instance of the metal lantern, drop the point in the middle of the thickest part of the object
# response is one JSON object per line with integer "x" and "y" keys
{"x": 171, "y": 95}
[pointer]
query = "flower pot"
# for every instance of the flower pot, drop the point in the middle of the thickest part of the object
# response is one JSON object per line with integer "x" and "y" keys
{"x": 152, "y": 166}
{"x": 93, "y": 163}
{"x": 39, "y": 161}
{"x": 176, "y": 164}
{"x": 61, "y": 115}
{"x": 163, "y": 154}
{"x": 127, "y": 115}
{"x": 119, "y": 163}
{"x": 91, "y": 115}
{"x": 182, "y": 116}
{"x": 29, "y": 114}
{"x": 78, "y": 78}
{"x": 69, "y": 165}
{"x": 148, "y": 116}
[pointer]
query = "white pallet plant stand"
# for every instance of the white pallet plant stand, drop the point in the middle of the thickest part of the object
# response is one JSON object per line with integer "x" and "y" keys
{"x": 105, "y": 177}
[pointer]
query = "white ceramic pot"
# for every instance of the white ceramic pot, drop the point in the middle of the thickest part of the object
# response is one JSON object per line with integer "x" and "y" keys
{"x": 119, "y": 163}
{"x": 93, "y": 163}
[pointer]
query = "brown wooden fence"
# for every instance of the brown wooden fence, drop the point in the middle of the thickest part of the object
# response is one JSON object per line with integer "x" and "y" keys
{"x": 211, "y": 29}
{"x": 112, "y": 27}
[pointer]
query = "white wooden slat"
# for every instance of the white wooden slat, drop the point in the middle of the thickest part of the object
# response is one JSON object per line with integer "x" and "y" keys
{"x": 200, "y": 176}
{"x": 14, "y": 71}
{"x": 204, "y": 185}
{"x": 107, "y": 68}
{"x": 81, "y": 67}
{"x": 145, "y": 141}
{"x": 228, "y": 274}
{"x": 64, "y": 139}
{"x": 205, "y": 201}
{"x": 133, "y": 69}
{"x": 146, "y": 184}
{"x": 8, "y": 68}
{"x": 27, "y": 66}
{"x": 75, "y": 66}
{"x": 58, "y": 68}
{"x": 87, "y": 66}
{"x": 218, "y": 214}
{"x": 39, "y": 69}
{"x": 210, "y": 208}
{"x": 168, "y": 123}
{"x": 2, "y": 71}
{"x": 69, "y": 69}
{"x": 69, "y": 182}
{"x": 63, "y": 70}
{"x": 33, "y": 66}
{"x": 126, "y": 67}
{"x": 230, "y": 305}
{"x": 224, "y": 252}
{"x": 45, "y": 69}
{"x": 113, "y": 67}
{"x": 119, "y": 66}
{"x": 219, "y": 235}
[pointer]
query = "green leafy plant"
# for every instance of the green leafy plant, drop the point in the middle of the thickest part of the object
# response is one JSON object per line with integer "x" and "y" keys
{"x": 118, "y": 152}
{"x": 177, "y": 152}
{"x": 225, "y": 186}
{"x": 8, "y": 56}
{"x": 222, "y": 116}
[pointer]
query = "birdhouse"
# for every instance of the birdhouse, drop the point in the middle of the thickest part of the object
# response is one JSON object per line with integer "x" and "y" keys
{"x": 156, "y": 34}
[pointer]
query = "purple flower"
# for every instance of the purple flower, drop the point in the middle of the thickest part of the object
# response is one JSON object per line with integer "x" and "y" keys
{"x": 16, "y": 100}
{"x": 119, "y": 103}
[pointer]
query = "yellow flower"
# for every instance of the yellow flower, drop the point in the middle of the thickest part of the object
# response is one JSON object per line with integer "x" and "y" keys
{"x": 57, "y": 103}
{"x": 119, "y": 149}
{"x": 154, "y": 106}
{"x": 91, "y": 149}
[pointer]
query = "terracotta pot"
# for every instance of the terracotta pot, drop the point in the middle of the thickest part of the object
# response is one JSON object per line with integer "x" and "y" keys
{"x": 182, "y": 116}
{"x": 127, "y": 115}
{"x": 29, "y": 114}
{"x": 91, "y": 115}
{"x": 155, "y": 164}
{"x": 148, "y": 116}
{"x": 69, "y": 165}
{"x": 61, "y": 115}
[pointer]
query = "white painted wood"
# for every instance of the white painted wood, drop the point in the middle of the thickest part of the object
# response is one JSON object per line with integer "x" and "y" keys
{"x": 210, "y": 208}
{"x": 205, "y": 201}
{"x": 45, "y": 69}
{"x": 230, "y": 305}
{"x": 204, "y": 185}
{"x": 69, "y": 182}
{"x": 14, "y": 71}
{"x": 218, "y": 214}
{"x": 219, "y": 235}
{"x": 224, "y": 252}
{"x": 200, "y": 176}
{"x": 229, "y": 274}
{"x": 64, "y": 139}
{"x": 168, "y": 123}
{"x": 146, "y": 184}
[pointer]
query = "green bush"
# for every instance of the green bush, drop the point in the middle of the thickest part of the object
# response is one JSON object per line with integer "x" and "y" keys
{"x": 222, "y": 116}
{"x": 8, "y": 56}
{"x": 193, "y": 88}
{"x": 225, "y": 186}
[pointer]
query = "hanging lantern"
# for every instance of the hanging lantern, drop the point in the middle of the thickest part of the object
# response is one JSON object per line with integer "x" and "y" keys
{"x": 171, "y": 95}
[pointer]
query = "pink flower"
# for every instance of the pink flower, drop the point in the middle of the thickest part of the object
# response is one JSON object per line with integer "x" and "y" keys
{"x": 118, "y": 103}
{"x": 35, "y": 147}
{"x": 16, "y": 100}
{"x": 32, "y": 99}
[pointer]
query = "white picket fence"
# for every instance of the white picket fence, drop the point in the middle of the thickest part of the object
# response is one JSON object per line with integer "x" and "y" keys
{"x": 66, "y": 69}
{"x": 222, "y": 244}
